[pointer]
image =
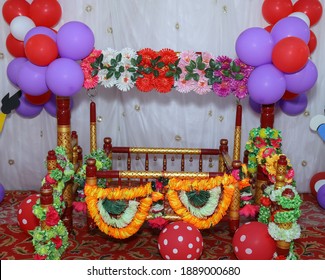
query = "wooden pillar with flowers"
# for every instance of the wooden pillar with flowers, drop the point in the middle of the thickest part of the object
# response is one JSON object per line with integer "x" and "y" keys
{"x": 63, "y": 115}
{"x": 267, "y": 120}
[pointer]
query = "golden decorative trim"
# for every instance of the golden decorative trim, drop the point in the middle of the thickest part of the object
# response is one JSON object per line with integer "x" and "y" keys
{"x": 93, "y": 137}
{"x": 283, "y": 244}
{"x": 64, "y": 128}
{"x": 237, "y": 143}
{"x": 92, "y": 181}
{"x": 145, "y": 150}
{"x": 165, "y": 174}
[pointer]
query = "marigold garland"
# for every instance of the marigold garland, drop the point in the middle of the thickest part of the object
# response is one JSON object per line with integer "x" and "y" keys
{"x": 227, "y": 182}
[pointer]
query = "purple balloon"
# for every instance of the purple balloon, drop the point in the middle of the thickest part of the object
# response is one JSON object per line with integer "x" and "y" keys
{"x": 40, "y": 30}
{"x": 321, "y": 196}
{"x": 31, "y": 79}
{"x": 266, "y": 84}
{"x": 254, "y": 46}
{"x": 294, "y": 107}
{"x": 50, "y": 106}
{"x": 2, "y": 192}
{"x": 75, "y": 40}
{"x": 257, "y": 108}
{"x": 64, "y": 77}
{"x": 13, "y": 69}
{"x": 27, "y": 109}
{"x": 303, "y": 80}
{"x": 290, "y": 27}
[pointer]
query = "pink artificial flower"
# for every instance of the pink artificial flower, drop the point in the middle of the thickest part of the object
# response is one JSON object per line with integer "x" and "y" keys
{"x": 185, "y": 58}
{"x": 202, "y": 86}
{"x": 184, "y": 86}
{"x": 249, "y": 210}
{"x": 222, "y": 89}
{"x": 235, "y": 174}
{"x": 259, "y": 142}
{"x": 79, "y": 206}
{"x": 268, "y": 152}
{"x": 246, "y": 198}
{"x": 276, "y": 143}
{"x": 225, "y": 61}
{"x": 52, "y": 217}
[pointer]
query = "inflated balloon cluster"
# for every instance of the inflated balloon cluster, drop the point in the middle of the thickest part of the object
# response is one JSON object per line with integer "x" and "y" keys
{"x": 46, "y": 60}
{"x": 280, "y": 53}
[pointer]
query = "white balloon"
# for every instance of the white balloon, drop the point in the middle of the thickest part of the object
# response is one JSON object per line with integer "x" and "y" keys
{"x": 19, "y": 27}
{"x": 302, "y": 16}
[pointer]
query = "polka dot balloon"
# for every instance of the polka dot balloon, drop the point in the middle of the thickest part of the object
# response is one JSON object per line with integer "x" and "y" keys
{"x": 252, "y": 241}
{"x": 180, "y": 241}
{"x": 26, "y": 219}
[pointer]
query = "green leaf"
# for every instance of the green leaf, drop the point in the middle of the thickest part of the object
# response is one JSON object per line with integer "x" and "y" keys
{"x": 192, "y": 64}
{"x": 117, "y": 75}
{"x": 188, "y": 76}
{"x": 201, "y": 66}
{"x": 196, "y": 77}
{"x": 100, "y": 58}
{"x": 133, "y": 61}
{"x": 234, "y": 67}
{"x": 199, "y": 59}
{"x": 121, "y": 69}
{"x": 109, "y": 75}
{"x": 169, "y": 74}
{"x": 189, "y": 69}
{"x": 131, "y": 69}
{"x": 160, "y": 64}
{"x": 212, "y": 63}
{"x": 209, "y": 73}
{"x": 172, "y": 66}
{"x": 239, "y": 77}
{"x": 156, "y": 73}
{"x": 113, "y": 62}
{"x": 226, "y": 73}
{"x": 94, "y": 72}
{"x": 139, "y": 59}
{"x": 119, "y": 57}
{"x": 147, "y": 70}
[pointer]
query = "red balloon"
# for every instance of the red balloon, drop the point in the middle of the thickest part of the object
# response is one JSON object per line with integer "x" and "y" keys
{"x": 45, "y": 12}
{"x": 290, "y": 54}
{"x": 25, "y": 216}
{"x": 15, "y": 47}
{"x": 14, "y": 8}
{"x": 40, "y": 99}
{"x": 312, "y": 42}
{"x": 312, "y": 8}
{"x": 269, "y": 27}
{"x": 41, "y": 50}
{"x": 252, "y": 241}
{"x": 274, "y": 10}
{"x": 180, "y": 241}
{"x": 289, "y": 95}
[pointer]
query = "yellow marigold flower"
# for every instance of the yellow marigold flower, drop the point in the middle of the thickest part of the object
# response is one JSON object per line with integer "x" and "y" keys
{"x": 263, "y": 133}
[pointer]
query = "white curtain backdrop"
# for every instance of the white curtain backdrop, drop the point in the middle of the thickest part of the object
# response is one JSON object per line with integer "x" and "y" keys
{"x": 153, "y": 119}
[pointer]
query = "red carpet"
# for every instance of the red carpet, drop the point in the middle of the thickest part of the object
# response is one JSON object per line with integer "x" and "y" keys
{"x": 16, "y": 244}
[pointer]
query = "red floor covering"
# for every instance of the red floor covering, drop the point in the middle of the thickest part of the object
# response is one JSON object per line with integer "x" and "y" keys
{"x": 16, "y": 244}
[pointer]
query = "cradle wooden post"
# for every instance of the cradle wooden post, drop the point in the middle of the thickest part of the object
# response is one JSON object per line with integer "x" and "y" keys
{"x": 46, "y": 200}
{"x": 282, "y": 246}
{"x": 267, "y": 120}
{"x": 237, "y": 136}
{"x": 63, "y": 115}
{"x": 234, "y": 207}
{"x": 223, "y": 157}
{"x": 93, "y": 132}
{"x": 91, "y": 180}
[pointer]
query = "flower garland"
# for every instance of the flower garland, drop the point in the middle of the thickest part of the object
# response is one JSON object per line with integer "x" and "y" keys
{"x": 280, "y": 209}
{"x": 131, "y": 220}
{"x": 227, "y": 182}
{"x": 268, "y": 140}
{"x": 51, "y": 240}
{"x": 166, "y": 69}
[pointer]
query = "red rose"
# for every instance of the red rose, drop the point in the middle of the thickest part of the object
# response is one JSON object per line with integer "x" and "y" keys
{"x": 57, "y": 241}
{"x": 265, "y": 201}
{"x": 52, "y": 217}
{"x": 39, "y": 257}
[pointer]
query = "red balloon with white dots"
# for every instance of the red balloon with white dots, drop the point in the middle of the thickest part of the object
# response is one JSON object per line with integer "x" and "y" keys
{"x": 180, "y": 241}
{"x": 25, "y": 216}
{"x": 252, "y": 241}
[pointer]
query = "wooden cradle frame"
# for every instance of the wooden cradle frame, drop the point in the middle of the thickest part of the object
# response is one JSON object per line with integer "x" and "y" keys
{"x": 69, "y": 140}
